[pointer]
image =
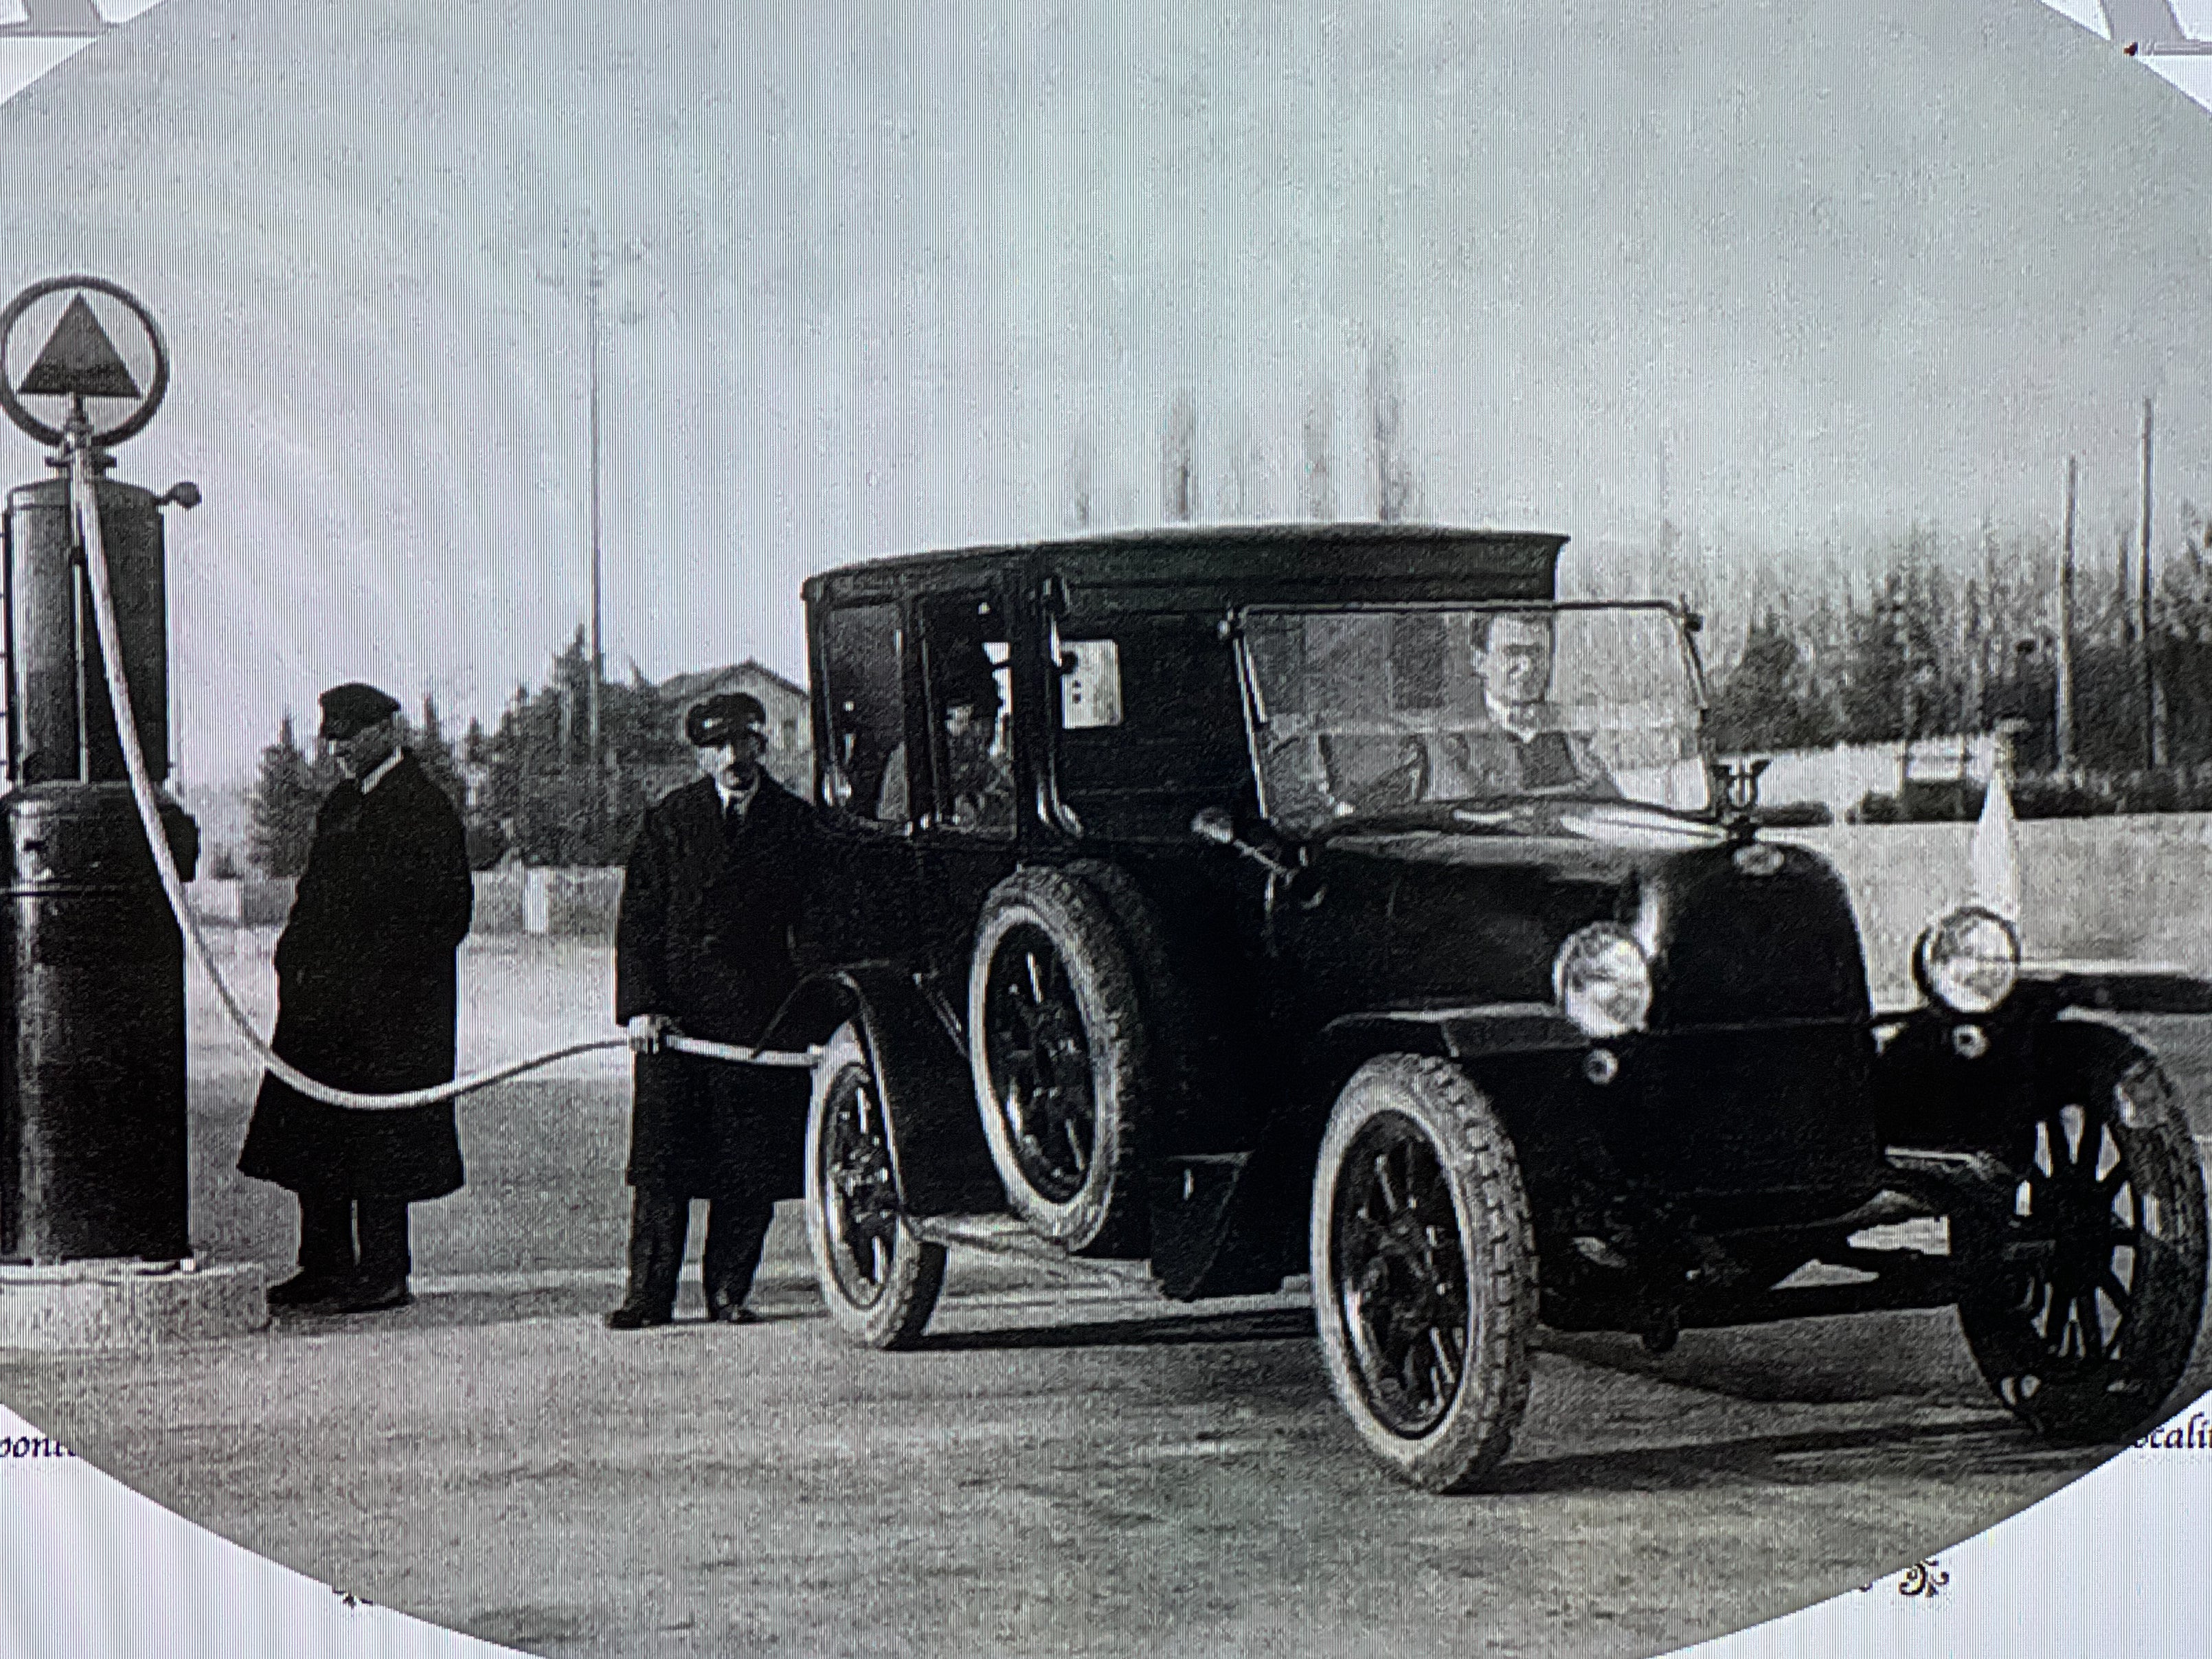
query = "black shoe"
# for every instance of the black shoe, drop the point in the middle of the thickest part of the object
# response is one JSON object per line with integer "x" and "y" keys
{"x": 307, "y": 1285}
{"x": 373, "y": 1298}
{"x": 732, "y": 1313}
{"x": 629, "y": 1318}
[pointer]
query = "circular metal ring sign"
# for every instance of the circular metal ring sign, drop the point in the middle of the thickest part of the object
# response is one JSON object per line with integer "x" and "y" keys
{"x": 79, "y": 361}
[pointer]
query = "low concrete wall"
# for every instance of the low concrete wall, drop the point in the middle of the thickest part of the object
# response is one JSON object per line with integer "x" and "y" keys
{"x": 220, "y": 902}
{"x": 565, "y": 903}
{"x": 2135, "y": 887}
{"x": 581, "y": 904}
{"x": 499, "y": 901}
{"x": 241, "y": 903}
{"x": 2139, "y": 887}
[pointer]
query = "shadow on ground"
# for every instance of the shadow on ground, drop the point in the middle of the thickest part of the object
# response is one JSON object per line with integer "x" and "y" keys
{"x": 1818, "y": 1457}
{"x": 1265, "y": 1325}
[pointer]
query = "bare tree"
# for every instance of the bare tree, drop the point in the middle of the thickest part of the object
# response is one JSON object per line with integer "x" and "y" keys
{"x": 1082, "y": 459}
{"x": 1396, "y": 496}
{"x": 1318, "y": 486}
{"x": 1179, "y": 459}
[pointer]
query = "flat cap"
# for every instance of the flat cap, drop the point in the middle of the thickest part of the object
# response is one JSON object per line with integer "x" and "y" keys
{"x": 354, "y": 707}
{"x": 968, "y": 675}
{"x": 713, "y": 721}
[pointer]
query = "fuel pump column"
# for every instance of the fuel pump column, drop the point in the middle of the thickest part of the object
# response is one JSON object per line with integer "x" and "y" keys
{"x": 92, "y": 1040}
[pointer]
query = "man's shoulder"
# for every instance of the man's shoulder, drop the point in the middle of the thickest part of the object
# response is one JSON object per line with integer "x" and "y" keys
{"x": 698, "y": 794}
{"x": 692, "y": 804}
{"x": 783, "y": 803}
{"x": 411, "y": 788}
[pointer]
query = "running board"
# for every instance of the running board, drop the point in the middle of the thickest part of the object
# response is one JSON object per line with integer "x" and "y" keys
{"x": 1978, "y": 1167}
{"x": 1005, "y": 1235}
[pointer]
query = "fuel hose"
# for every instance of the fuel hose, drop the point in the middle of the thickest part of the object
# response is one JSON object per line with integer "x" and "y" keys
{"x": 84, "y": 501}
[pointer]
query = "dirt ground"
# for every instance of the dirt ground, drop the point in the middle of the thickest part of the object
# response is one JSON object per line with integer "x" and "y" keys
{"x": 1062, "y": 1469}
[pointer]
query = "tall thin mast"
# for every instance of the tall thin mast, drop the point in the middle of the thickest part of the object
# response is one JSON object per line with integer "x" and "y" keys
{"x": 2063, "y": 732}
{"x": 599, "y": 661}
{"x": 2154, "y": 716}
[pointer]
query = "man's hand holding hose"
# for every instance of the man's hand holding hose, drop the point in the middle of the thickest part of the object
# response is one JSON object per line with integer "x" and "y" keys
{"x": 646, "y": 1032}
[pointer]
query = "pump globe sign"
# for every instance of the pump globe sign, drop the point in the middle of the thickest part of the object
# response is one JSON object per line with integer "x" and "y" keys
{"x": 79, "y": 363}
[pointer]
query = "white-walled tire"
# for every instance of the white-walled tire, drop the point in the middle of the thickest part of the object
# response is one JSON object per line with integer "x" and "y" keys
{"x": 1424, "y": 1270}
{"x": 878, "y": 1278}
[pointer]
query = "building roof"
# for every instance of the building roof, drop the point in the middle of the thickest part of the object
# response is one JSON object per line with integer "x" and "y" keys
{"x": 680, "y": 691}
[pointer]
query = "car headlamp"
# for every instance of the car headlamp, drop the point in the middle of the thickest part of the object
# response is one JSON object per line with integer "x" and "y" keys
{"x": 1968, "y": 959}
{"x": 1603, "y": 980}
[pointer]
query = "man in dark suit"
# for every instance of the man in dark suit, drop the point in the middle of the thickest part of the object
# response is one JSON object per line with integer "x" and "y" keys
{"x": 365, "y": 1000}
{"x": 1524, "y": 746}
{"x": 703, "y": 946}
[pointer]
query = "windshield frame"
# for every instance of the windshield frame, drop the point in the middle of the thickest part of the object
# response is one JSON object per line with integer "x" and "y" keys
{"x": 1687, "y": 623}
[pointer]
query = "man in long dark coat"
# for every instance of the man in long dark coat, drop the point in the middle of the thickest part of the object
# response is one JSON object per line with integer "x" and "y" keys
{"x": 365, "y": 1001}
{"x": 703, "y": 946}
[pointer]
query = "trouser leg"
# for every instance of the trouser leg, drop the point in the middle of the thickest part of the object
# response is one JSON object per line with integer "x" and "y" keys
{"x": 383, "y": 1254}
{"x": 657, "y": 1221}
{"x": 326, "y": 1234}
{"x": 736, "y": 1231}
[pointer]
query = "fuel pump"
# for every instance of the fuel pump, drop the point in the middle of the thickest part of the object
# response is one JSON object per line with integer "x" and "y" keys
{"x": 92, "y": 1039}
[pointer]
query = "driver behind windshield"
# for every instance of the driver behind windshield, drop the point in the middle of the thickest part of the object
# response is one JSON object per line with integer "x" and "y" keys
{"x": 1524, "y": 746}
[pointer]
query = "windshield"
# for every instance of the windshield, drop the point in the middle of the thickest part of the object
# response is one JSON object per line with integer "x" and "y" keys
{"x": 1363, "y": 712}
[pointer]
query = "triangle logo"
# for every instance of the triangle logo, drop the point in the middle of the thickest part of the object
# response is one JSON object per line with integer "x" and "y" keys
{"x": 79, "y": 361}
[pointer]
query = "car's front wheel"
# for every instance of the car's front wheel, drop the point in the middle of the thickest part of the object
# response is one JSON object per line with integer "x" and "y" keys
{"x": 879, "y": 1279}
{"x": 2088, "y": 1279}
{"x": 1424, "y": 1270}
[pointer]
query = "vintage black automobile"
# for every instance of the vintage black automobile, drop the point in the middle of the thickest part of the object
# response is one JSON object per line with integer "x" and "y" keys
{"x": 1332, "y": 899}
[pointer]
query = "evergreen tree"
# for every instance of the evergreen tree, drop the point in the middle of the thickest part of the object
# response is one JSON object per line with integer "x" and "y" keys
{"x": 434, "y": 754}
{"x": 285, "y": 796}
{"x": 1765, "y": 703}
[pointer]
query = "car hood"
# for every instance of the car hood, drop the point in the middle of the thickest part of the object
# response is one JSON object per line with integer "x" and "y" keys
{"x": 1592, "y": 841}
{"x": 1466, "y": 904}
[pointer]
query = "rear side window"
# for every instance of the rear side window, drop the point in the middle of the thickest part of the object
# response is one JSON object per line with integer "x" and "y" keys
{"x": 863, "y": 649}
{"x": 1150, "y": 707}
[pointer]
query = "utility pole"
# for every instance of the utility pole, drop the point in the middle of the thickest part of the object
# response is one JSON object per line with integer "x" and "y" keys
{"x": 599, "y": 661}
{"x": 2153, "y": 715}
{"x": 2063, "y": 731}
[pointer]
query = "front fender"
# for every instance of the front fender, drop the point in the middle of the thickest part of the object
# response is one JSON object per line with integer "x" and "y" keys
{"x": 939, "y": 1156}
{"x": 2122, "y": 988}
{"x": 1943, "y": 1082}
{"x": 1468, "y": 1034}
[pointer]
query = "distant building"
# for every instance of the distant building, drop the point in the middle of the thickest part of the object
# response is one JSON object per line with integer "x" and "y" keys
{"x": 790, "y": 758}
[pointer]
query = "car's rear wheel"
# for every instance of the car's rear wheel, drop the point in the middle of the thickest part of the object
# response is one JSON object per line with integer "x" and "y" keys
{"x": 1424, "y": 1270}
{"x": 1057, "y": 1045}
{"x": 878, "y": 1278}
{"x": 2089, "y": 1283}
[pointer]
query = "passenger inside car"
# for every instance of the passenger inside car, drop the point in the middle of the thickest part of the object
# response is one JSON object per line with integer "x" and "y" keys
{"x": 978, "y": 778}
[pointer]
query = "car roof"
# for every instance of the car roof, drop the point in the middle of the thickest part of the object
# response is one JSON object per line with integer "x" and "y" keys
{"x": 1175, "y": 566}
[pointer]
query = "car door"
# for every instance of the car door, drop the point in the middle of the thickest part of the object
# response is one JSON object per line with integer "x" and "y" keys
{"x": 964, "y": 833}
{"x": 863, "y": 658}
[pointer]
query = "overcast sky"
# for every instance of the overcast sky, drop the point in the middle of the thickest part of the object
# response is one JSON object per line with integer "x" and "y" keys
{"x": 882, "y": 277}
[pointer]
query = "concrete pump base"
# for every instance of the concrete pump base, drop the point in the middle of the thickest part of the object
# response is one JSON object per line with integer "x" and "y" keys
{"x": 117, "y": 1303}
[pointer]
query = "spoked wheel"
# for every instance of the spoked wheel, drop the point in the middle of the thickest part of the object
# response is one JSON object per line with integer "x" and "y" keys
{"x": 2091, "y": 1282}
{"x": 1040, "y": 1063}
{"x": 1055, "y": 1042}
{"x": 1424, "y": 1270}
{"x": 878, "y": 1278}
